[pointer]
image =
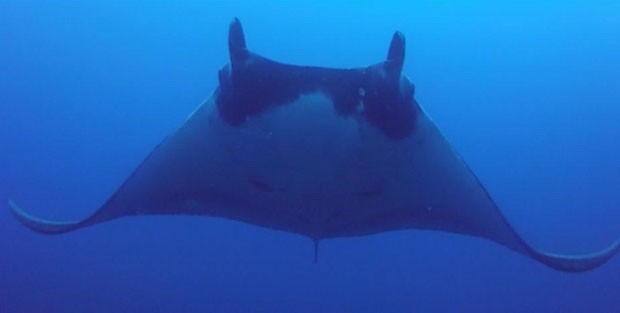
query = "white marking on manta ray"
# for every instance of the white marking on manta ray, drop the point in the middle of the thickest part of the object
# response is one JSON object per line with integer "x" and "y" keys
{"x": 298, "y": 166}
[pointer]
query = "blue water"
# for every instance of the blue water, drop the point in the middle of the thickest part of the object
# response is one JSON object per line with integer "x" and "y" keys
{"x": 528, "y": 93}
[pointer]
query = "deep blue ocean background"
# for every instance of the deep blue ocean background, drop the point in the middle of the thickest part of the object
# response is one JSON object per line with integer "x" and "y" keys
{"x": 528, "y": 93}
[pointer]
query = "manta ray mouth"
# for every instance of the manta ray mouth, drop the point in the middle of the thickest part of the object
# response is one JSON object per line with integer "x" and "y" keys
{"x": 314, "y": 151}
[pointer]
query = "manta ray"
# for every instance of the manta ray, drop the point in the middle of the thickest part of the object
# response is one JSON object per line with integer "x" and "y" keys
{"x": 320, "y": 152}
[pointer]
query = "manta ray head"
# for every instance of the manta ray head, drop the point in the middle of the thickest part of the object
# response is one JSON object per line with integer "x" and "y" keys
{"x": 379, "y": 93}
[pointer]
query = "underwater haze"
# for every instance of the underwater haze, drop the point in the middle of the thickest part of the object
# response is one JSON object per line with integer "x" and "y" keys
{"x": 527, "y": 92}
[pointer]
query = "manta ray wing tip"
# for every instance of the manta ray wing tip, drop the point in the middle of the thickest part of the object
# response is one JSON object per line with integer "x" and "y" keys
{"x": 40, "y": 225}
{"x": 577, "y": 263}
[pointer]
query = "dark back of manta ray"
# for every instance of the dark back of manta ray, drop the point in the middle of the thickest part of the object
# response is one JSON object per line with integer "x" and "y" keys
{"x": 377, "y": 95}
